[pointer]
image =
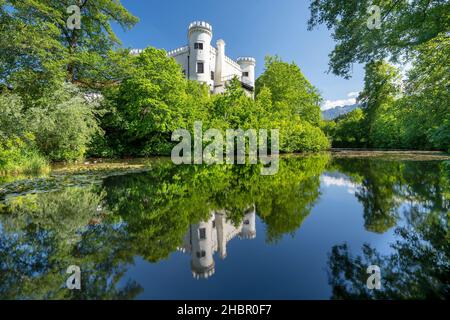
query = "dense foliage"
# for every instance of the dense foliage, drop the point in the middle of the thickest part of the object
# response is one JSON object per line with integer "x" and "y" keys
{"x": 413, "y": 113}
{"x": 79, "y": 94}
{"x": 44, "y": 116}
{"x": 58, "y": 126}
{"x": 415, "y": 117}
{"x": 144, "y": 109}
{"x": 403, "y": 27}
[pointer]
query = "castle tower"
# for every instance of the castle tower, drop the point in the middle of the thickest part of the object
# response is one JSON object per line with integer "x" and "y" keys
{"x": 249, "y": 224}
{"x": 247, "y": 65}
{"x": 202, "y": 262}
{"x": 199, "y": 38}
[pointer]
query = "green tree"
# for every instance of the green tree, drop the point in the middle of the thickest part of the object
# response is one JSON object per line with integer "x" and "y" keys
{"x": 233, "y": 110}
{"x": 66, "y": 108}
{"x": 426, "y": 107}
{"x": 291, "y": 93}
{"x": 147, "y": 107}
{"x": 405, "y": 25}
{"x": 18, "y": 150}
{"x": 381, "y": 88}
{"x": 348, "y": 130}
{"x": 287, "y": 101}
{"x": 38, "y": 47}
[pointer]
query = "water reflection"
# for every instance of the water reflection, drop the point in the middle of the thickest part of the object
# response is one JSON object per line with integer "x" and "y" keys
{"x": 106, "y": 227}
{"x": 205, "y": 238}
{"x": 418, "y": 267}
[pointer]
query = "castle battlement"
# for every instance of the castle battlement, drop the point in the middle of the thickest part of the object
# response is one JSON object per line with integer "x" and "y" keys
{"x": 178, "y": 51}
{"x": 246, "y": 60}
{"x": 232, "y": 62}
{"x": 200, "y": 25}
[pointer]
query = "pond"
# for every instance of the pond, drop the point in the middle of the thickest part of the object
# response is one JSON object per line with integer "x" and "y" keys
{"x": 153, "y": 230}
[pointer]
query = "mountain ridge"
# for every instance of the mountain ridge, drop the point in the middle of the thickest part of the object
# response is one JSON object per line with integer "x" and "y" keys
{"x": 333, "y": 113}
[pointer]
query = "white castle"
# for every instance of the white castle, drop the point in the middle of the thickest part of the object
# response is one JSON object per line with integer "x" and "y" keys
{"x": 207, "y": 237}
{"x": 204, "y": 63}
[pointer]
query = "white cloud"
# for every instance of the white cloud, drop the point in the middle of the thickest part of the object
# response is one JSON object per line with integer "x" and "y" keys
{"x": 329, "y": 104}
{"x": 351, "y": 99}
{"x": 341, "y": 182}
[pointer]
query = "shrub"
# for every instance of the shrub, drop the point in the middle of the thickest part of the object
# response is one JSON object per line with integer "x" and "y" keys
{"x": 20, "y": 156}
{"x": 64, "y": 123}
{"x": 18, "y": 152}
{"x": 301, "y": 136}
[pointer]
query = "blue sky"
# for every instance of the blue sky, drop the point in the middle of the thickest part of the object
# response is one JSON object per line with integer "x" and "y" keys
{"x": 250, "y": 28}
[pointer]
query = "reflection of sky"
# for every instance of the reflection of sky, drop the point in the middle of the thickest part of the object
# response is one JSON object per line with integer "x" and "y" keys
{"x": 293, "y": 268}
{"x": 340, "y": 181}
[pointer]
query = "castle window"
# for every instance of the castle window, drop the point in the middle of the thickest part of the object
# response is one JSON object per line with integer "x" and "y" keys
{"x": 245, "y": 74}
{"x": 198, "y": 46}
{"x": 201, "y": 254}
{"x": 202, "y": 233}
{"x": 212, "y": 75}
{"x": 246, "y": 222}
{"x": 200, "y": 67}
{"x": 214, "y": 223}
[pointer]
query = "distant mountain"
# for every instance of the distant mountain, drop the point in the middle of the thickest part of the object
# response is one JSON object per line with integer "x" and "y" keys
{"x": 335, "y": 112}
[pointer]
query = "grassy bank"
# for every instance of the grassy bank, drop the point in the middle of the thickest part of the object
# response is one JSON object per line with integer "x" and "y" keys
{"x": 17, "y": 160}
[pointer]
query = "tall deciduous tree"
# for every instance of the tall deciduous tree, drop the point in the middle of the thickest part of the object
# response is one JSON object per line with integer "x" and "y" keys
{"x": 381, "y": 87}
{"x": 38, "y": 44}
{"x": 363, "y": 36}
{"x": 147, "y": 106}
{"x": 292, "y": 93}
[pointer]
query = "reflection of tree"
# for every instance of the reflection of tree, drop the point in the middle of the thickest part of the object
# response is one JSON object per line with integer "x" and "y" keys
{"x": 40, "y": 238}
{"x": 419, "y": 268}
{"x": 285, "y": 199}
{"x": 427, "y": 183}
{"x": 379, "y": 182}
{"x": 157, "y": 207}
{"x": 384, "y": 185}
{"x": 101, "y": 229}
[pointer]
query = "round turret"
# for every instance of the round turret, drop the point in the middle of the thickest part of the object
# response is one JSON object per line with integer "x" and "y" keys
{"x": 199, "y": 37}
{"x": 247, "y": 65}
{"x": 202, "y": 262}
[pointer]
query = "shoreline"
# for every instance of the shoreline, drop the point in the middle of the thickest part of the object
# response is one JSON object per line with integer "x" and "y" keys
{"x": 102, "y": 164}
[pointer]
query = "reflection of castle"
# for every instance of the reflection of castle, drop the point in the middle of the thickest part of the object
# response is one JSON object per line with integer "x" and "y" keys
{"x": 207, "y": 237}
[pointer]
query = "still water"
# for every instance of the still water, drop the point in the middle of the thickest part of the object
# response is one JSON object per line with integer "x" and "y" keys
{"x": 226, "y": 232}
